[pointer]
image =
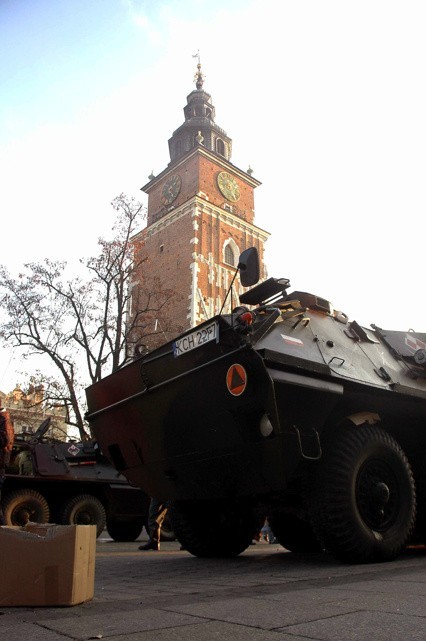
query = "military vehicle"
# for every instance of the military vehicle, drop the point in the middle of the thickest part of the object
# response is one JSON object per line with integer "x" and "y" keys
{"x": 282, "y": 408}
{"x": 49, "y": 480}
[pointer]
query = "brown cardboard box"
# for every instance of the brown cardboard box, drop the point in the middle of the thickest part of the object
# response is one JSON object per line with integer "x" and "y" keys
{"x": 47, "y": 565}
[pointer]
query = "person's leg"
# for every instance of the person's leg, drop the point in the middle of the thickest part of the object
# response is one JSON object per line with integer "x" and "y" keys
{"x": 161, "y": 515}
{"x": 270, "y": 536}
{"x": 156, "y": 515}
{"x": 152, "y": 515}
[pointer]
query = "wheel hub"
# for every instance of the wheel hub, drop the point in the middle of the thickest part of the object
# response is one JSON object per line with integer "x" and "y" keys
{"x": 376, "y": 494}
{"x": 22, "y": 516}
{"x": 381, "y": 494}
{"x": 83, "y": 518}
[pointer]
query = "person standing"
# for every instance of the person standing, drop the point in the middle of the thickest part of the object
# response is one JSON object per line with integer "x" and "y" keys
{"x": 7, "y": 437}
{"x": 267, "y": 533}
{"x": 156, "y": 515}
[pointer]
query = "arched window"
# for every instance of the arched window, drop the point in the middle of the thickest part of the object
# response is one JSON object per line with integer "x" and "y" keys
{"x": 230, "y": 252}
{"x": 220, "y": 147}
{"x": 229, "y": 256}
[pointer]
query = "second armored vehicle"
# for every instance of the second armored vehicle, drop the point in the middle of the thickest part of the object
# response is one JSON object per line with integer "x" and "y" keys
{"x": 70, "y": 483}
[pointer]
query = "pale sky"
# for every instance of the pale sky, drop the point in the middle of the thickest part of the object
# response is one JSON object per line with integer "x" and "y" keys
{"x": 324, "y": 99}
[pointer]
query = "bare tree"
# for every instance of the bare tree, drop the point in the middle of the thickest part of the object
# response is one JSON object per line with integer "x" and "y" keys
{"x": 81, "y": 324}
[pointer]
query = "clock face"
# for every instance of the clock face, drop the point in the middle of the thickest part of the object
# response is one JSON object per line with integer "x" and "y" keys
{"x": 171, "y": 189}
{"x": 228, "y": 186}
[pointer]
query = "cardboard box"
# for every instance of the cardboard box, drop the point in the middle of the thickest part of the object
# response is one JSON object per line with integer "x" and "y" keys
{"x": 47, "y": 565}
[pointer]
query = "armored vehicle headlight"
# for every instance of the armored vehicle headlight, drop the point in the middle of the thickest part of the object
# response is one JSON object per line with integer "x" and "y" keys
{"x": 266, "y": 427}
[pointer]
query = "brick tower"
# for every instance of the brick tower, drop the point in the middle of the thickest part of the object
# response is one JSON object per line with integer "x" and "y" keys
{"x": 200, "y": 218}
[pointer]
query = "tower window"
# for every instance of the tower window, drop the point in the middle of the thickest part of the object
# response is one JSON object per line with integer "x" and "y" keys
{"x": 220, "y": 147}
{"x": 229, "y": 256}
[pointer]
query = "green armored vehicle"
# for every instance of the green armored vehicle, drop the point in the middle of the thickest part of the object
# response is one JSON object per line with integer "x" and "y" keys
{"x": 284, "y": 408}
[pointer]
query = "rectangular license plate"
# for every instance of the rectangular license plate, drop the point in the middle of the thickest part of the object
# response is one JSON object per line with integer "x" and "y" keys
{"x": 195, "y": 339}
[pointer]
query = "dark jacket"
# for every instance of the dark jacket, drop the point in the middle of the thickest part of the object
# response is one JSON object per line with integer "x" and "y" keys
{"x": 7, "y": 436}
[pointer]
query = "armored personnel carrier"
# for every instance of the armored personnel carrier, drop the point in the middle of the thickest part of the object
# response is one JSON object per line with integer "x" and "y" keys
{"x": 283, "y": 408}
{"x": 70, "y": 483}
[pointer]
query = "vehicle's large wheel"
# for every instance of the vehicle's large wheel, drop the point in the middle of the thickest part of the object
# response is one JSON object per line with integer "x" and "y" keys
{"x": 84, "y": 509}
{"x": 363, "y": 499}
{"x": 213, "y": 528}
{"x": 124, "y": 530}
{"x": 293, "y": 532}
{"x": 22, "y": 506}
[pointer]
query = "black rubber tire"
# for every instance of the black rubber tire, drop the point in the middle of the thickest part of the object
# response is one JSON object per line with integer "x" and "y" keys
{"x": 294, "y": 533}
{"x": 419, "y": 534}
{"x": 213, "y": 529}
{"x": 122, "y": 531}
{"x": 363, "y": 498}
{"x": 83, "y": 509}
{"x": 22, "y": 506}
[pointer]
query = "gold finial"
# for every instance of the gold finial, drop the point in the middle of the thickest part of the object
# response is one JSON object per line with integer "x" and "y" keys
{"x": 199, "y": 77}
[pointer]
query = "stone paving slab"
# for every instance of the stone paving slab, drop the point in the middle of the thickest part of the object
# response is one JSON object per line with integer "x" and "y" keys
{"x": 397, "y": 602}
{"x": 263, "y": 613}
{"x": 362, "y": 626}
{"x": 213, "y": 631}
{"x": 27, "y": 632}
{"x": 415, "y": 587}
{"x": 102, "y": 626}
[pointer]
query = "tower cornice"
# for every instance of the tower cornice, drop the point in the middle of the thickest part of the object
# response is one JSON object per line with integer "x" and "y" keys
{"x": 211, "y": 155}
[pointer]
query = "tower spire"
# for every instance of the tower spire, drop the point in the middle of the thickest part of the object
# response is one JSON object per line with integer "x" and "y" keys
{"x": 199, "y": 128}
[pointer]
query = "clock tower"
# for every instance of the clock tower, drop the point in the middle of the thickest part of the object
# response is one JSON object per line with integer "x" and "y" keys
{"x": 200, "y": 218}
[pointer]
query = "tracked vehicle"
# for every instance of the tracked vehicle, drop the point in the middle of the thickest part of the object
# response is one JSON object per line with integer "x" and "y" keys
{"x": 284, "y": 408}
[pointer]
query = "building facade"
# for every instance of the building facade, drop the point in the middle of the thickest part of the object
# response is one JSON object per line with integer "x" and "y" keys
{"x": 28, "y": 410}
{"x": 200, "y": 218}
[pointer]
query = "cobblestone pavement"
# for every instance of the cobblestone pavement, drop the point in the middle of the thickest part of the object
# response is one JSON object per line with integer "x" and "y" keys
{"x": 266, "y": 594}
